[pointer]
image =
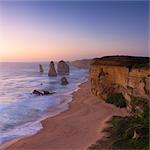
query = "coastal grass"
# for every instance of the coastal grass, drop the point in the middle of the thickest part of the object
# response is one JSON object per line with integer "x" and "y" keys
{"x": 125, "y": 127}
{"x": 117, "y": 99}
{"x": 121, "y": 133}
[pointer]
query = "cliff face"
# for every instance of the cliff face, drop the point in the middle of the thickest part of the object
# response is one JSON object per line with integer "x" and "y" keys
{"x": 126, "y": 75}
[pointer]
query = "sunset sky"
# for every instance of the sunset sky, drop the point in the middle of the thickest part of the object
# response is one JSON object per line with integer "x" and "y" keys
{"x": 43, "y": 31}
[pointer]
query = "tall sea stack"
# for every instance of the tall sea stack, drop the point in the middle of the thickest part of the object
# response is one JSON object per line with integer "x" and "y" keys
{"x": 41, "y": 68}
{"x": 62, "y": 68}
{"x": 52, "y": 71}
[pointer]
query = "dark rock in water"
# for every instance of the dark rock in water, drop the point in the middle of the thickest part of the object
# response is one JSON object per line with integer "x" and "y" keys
{"x": 52, "y": 71}
{"x": 36, "y": 92}
{"x": 41, "y": 68}
{"x": 63, "y": 68}
{"x": 64, "y": 81}
{"x": 46, "y": 92}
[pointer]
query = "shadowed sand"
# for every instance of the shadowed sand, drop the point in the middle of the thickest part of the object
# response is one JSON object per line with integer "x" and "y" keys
{"x": 74, "y": 129}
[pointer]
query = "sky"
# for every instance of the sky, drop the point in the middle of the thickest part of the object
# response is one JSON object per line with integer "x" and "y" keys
{"x": 70, "y": 30}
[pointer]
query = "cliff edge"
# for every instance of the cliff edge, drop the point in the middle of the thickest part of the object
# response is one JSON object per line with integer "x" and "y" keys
{"x": 127, "y": 75}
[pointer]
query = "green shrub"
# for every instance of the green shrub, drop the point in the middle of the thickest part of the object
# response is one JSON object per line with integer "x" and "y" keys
{"x": 117, "y": 99}
{"x": 122, "y": 130}
{"x": 138, "y": 104}
{"x": 125, "y": 126}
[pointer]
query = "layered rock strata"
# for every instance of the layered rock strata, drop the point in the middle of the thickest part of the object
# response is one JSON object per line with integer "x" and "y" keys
{"x": 121, "y": 74}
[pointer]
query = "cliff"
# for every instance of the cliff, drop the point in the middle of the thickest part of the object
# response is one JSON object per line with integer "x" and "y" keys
{"x": 127, "y": 75}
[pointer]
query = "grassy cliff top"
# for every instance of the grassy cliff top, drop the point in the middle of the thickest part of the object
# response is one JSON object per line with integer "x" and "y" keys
{"x": 127, "y": 61}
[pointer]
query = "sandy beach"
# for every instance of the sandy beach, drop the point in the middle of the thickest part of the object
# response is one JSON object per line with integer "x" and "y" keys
{"x": 75, "y": 129}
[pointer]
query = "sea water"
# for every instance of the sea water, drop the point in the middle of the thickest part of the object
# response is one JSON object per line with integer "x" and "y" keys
{"x": 21, "y": 111}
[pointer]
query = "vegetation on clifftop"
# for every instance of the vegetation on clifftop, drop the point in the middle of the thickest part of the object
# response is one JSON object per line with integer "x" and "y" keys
{"x": 130, "y": 132}
{"x": 126, "y": 61}
{"x": 117, "y": 99}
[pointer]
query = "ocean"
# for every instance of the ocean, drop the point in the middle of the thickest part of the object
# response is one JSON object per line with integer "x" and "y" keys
{"x": 21, "y": 111}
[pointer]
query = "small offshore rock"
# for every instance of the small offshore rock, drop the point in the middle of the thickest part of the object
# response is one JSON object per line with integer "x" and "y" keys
{"x": 41, "y": 93}
{"x": 64, "y": 81}
{"x": 36, "y": 92}
{"x": 47, "y": 92}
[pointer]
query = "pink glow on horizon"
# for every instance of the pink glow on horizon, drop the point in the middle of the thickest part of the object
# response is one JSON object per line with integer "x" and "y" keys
{"x": 26, "y": 37}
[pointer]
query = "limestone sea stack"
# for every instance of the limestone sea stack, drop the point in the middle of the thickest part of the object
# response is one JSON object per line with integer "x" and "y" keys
{"x": 41, "y": 68}
{"x": 62, "y": 68}
{"x": 52, "y": 71}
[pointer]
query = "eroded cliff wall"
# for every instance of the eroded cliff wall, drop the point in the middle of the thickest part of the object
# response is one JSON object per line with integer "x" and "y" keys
{"x": 122, "y": 75}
